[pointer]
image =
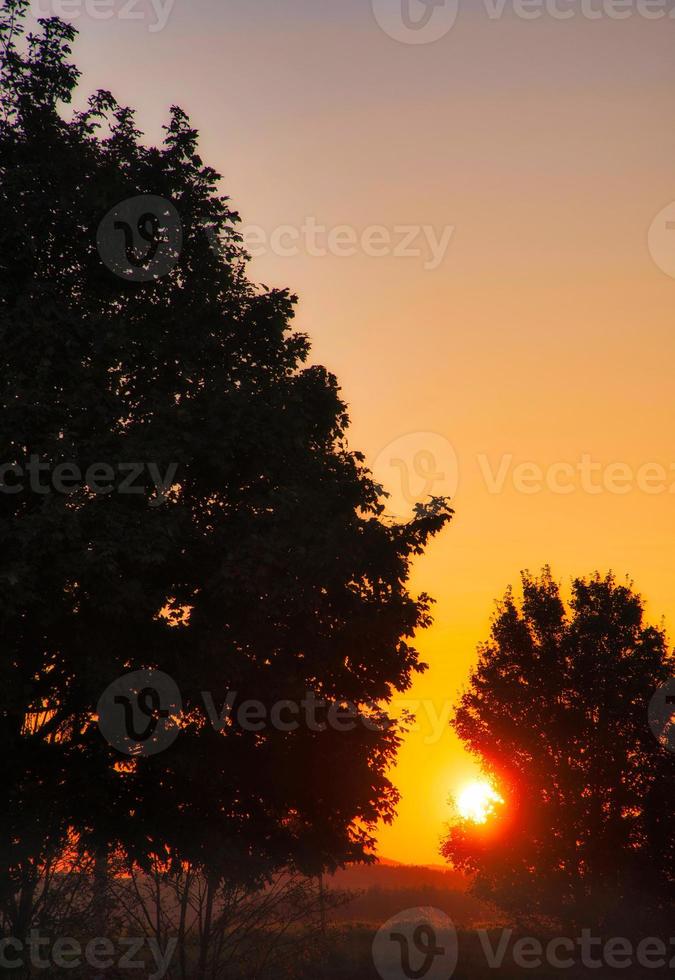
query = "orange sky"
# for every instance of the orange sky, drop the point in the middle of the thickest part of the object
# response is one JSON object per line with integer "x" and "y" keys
{"x": 546, "y": 332}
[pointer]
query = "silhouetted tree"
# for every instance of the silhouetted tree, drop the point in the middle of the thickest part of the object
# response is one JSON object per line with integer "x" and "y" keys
{"x": 264, "y": 567}
{"x": 557, "y": 711}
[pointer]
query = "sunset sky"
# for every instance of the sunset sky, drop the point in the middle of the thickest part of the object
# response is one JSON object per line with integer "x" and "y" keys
{"x": 545, "y": 335}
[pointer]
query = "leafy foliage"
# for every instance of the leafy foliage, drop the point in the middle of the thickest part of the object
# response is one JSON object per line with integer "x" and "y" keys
{"x": 269, "y": 568}
{"x": 557, "y": 711}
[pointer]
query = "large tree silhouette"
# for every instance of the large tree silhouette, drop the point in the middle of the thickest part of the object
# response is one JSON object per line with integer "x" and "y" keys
{"x": 557, "y": 711}
{"x": 267, "y": 569}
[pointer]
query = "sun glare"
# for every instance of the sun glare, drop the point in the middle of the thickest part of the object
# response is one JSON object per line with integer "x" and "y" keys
{"x": 478, "y": 801}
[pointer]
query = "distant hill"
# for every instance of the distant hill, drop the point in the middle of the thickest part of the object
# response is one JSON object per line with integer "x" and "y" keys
{"x": 386, "y": 888}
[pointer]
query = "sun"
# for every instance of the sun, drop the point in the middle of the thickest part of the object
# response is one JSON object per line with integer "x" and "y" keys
{"x": 477, "y": 801}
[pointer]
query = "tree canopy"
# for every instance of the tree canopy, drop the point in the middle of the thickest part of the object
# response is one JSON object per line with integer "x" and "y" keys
{"x": 557, "y": 712}
{"x": 266, "y": 566}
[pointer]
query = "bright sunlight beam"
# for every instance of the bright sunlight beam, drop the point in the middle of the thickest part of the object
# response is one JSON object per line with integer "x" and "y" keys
{"x": 477, "y": 801}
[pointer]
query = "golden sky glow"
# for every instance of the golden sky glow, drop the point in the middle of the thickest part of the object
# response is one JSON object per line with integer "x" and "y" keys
{"x": 545, "y": 337}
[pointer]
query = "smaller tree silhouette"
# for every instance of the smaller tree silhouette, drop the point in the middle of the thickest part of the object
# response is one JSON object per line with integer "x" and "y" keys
{"x": 557, "y": 710}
